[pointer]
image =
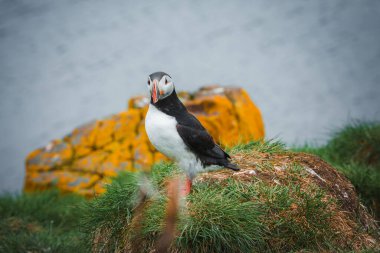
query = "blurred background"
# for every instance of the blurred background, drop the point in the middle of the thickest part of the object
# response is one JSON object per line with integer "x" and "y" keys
{"x": 310, "y": 66}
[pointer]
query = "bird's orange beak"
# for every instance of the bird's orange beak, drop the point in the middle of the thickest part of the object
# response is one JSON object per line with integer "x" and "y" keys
{"x": 155, "y": 92}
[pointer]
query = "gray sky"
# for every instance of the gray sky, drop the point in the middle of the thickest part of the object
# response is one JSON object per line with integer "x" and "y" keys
{"x": 310, "y": 66}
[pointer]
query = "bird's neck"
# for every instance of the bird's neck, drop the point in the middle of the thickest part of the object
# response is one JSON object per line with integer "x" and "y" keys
{"x": 171, "y": 105}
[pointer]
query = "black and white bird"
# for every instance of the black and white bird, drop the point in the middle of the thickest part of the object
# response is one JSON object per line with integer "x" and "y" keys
{"x": 178, "y": 134}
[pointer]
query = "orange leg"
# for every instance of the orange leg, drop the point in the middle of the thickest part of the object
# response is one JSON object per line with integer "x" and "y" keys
{"x": 186, "y": 188}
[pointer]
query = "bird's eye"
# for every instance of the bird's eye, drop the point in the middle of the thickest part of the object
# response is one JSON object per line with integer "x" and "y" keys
{"x": 148, "y": 82}
{"x": 166, "y": 81}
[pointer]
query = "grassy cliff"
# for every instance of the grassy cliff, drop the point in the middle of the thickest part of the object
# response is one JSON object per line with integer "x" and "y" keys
{"x": 280, "y": 201}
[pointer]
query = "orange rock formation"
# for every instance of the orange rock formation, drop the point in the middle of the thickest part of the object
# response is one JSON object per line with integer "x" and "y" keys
{"x": 86, "y": 159}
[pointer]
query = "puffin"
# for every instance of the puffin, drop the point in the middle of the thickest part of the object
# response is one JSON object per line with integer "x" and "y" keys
{"x": 178, "y": 134}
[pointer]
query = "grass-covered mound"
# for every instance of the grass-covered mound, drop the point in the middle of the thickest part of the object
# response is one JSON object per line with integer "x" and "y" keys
{"x": 355, "y": 151}
{"x": 40, "y": 222}
{"x": 280, "y": 201}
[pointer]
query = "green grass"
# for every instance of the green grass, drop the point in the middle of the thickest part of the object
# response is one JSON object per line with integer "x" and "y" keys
{"x": 268, "y": 146}
{"x": 40, "y": 222}
{"x": 219, "y": 219}
{"x": 229, "y": 216}
{"x": 112, "y": 211}
{"x": 358, "y": 142}
{"x": 355, "y": 151}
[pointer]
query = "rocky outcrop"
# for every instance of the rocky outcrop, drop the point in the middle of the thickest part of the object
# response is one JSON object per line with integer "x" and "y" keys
{"x": 86, "y": 159}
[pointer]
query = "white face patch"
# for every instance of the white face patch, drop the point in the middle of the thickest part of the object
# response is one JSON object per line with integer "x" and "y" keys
{"x": 150, "y": 85}
{"x": 165, "y": 86}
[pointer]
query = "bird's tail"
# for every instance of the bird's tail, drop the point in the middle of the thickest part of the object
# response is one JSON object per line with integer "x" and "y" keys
{"x": 232, "y": 166}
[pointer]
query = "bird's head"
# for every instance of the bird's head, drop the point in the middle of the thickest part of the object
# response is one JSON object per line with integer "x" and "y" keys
{"x": 160, "y": 86}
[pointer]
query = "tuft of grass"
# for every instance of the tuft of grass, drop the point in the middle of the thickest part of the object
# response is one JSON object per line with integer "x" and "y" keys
{"x": 358, "y": 142}
{"x": 110, "y": 213}
{"x": 264, "y": 146}
{"x": 107, "y": 227}
{"x": 221, "y": 219}
{"x": 40, "y": 222}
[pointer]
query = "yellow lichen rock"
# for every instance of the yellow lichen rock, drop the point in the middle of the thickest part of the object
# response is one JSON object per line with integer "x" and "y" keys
{"x": 86, "y": 159}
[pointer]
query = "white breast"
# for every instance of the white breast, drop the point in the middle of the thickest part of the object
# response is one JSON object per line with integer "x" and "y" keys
{"x": 162, "y": 132}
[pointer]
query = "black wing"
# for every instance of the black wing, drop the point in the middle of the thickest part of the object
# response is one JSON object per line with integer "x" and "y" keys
{"x": 199, "y": 141}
